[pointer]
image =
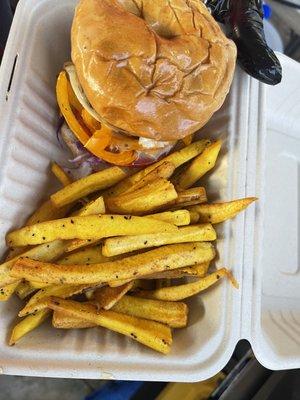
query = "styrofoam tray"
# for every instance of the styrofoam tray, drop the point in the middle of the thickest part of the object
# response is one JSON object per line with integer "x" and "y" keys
{"x": 38, "y": 46}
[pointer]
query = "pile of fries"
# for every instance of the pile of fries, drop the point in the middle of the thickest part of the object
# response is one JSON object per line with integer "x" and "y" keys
{"x": 113, "y": 242}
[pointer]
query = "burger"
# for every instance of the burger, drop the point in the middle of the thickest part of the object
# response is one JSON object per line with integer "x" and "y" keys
{"x": 145, "y": 76}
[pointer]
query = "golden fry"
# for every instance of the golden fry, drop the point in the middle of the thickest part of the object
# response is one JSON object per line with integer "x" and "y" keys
{"x": 7, "y": 291}
{"x": 200, "y": 165}
{"x": 164, "y": 170}
{"x": 62, "y": 320}
{"x": 24, "y": 289}
{"x": 45, "y": 252}
{"x": 27, "y": 325}
{"x": 87, "y": 185}
{"x": 46, "y": 212}
{"x": 39, "y": 300}
{"x": 170, "y": 313}
{"x": 219, "y": 212}
{"x": 149, "y": 198}
{"x": 199, "y": 270}
{"x": 106, "y": 297}
{"x": 93, "y": 207}
{"x": 126, "y": 244}
{"x": 177, "y": 158}
{"x": 77, "y": 244}
{"x": 60, "y": 174}
{"x": 157, "y": 260}
{"x": 178, "y": 217}
{"x": 193, "y": 195}
{"x": 86, "y": 227}
{"x": 150, "y": 333}
{"x": 180, "y": 292}
{"x": 89, "y": 255}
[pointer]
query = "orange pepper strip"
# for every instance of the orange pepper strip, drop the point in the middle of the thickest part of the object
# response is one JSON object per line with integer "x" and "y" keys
{"x": 66, "y": 110}
{"x": 100, "y": 140}
{"x": 90, "y": 121}
{"x": 74, "y": 102}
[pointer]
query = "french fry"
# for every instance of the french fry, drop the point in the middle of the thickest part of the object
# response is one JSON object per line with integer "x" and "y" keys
{"x": 86, "y": 227}
{"x": 164, "y": 170}
{"x": 199, "y": 270}
{"x": 60, "y": 174}
{"x": 194, "y": 217}
{"x": 87, "y": 185}
{"x": 39, "y": 300}
{"x": 106, "y": 297}
{"x": 149, "y": 198}
{"x": 24, "y": 289}
{"x": 220, "y": 212}
{"x": 7, "y": 291}
{"x": 193, "y": 195}
{"x": 46, "y": 212}
{"x": 200, "y": 165}
{"x": 14, "y": 252}
{"x": 38, "y": 285}
{"x": 89, "y": 255}
{"x": 62, "y": 320}
{"x": 93, "y": 207}
{"x": 178, "y": 217}
{"x": 170, "y": 313}
{"x": 27, "y": 325}
{"x": 150, "y": 333}
{"x": 157, "y": 260}
{"x": 77, "y": 244}
{"x": 46, "y": 252}
{"x": 126, "y": 244}
{"x": 177, "y": 158}
{"x": 180, "y": 292}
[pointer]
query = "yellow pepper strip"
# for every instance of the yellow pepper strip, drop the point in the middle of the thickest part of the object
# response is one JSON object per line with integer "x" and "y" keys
{"x": 100, "y": 140}
{"x": 66, "y": 110}
{"x": 90, "y": 121}
{"x": 74, "y": 102}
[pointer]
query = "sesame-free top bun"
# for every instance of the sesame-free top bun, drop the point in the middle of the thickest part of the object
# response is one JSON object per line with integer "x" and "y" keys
{"x": 153, "y": 68}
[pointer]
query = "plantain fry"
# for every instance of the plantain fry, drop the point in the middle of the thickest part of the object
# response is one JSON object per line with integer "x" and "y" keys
{"x": 177, "y": 158}
{"x": 106, "y": 297}
{"x": 60, "y": 174}
{"x": 200, "y": 165}
{"x": 157, "y": 260}
{"x": 220, "y": 212}
{"x": 87, "y": 185}
{"x": 27, "y": 325}
{"x": 180, "y": 292}
{"x": 86, "y": 227}
{"x": 150, "y": 333}
{"x": 126, "y": 244}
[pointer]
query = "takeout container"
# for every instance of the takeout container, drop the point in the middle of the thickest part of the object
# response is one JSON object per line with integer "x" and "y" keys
{"x": 260, "y": 157}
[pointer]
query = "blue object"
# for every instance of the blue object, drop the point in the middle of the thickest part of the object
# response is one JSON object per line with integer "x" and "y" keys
{"x": 267, "y": 11}
{"x": 116, "y": 390}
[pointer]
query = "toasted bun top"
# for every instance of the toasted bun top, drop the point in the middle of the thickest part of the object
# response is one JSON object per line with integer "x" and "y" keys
{"x": 154, "y": 68}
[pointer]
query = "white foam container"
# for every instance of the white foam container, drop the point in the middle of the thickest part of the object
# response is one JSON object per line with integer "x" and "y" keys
{"x": 263, "y": 253}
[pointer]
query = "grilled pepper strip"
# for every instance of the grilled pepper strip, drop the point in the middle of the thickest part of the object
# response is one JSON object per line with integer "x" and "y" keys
{"x": 100, "y": 140}
{"x": 66, "y": 110}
